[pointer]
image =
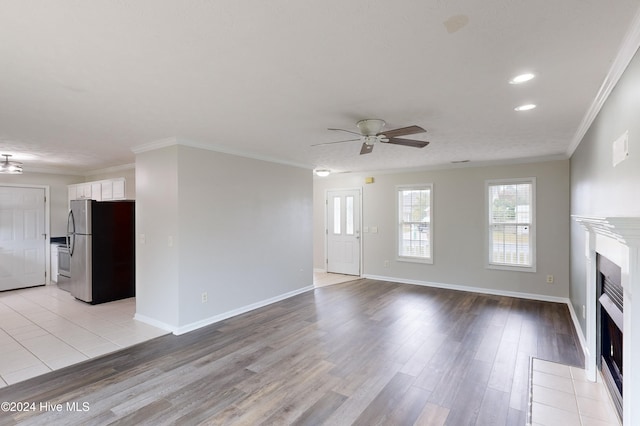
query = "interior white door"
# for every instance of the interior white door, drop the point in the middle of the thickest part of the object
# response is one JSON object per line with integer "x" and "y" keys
{"x": 22, "y": 237}
{"x": 343, "y": 232}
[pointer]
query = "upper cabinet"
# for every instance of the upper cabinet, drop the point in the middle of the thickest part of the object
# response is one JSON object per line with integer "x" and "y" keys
{"x": 101, "y": 190}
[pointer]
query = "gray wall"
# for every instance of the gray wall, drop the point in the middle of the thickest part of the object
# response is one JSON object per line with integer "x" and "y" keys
{"x": 241, "y": 231}
{"x": 598, "y": 188}
{"x": 458, "y": 226}
{"x": 57, "y": 192}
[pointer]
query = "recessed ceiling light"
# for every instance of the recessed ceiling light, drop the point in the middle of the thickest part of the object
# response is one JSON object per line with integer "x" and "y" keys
{"x": 521, "y": 78}
{"x": 526, "y": 107}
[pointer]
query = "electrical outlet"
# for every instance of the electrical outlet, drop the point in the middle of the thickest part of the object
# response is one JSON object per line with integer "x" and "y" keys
{"x": 204, "y": 297}
{"x": 550, "y": 279}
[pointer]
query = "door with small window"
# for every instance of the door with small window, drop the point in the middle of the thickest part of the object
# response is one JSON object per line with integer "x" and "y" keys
{"x": 343, "y": 232}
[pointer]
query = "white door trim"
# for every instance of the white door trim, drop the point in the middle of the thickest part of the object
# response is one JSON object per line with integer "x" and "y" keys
{"x": 47, "y": 228}
{"x": 326, "y": 225}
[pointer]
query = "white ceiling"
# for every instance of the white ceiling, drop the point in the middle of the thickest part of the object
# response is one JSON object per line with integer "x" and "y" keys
{"x": 84, "y": 82}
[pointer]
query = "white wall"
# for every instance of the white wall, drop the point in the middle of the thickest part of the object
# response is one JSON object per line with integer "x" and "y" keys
{"x": 458, "y": 226}
{"x": 157, "y": 283}
{"x": 242, "y": 232}
{"x": 597, "y": 187}
{"x": 57, "y": 192}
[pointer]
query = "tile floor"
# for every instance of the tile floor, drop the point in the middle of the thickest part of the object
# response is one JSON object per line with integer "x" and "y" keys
{"x": 45, "y": 328}
{"x": 323, "y": 279}
{"x": 562, "y": 395}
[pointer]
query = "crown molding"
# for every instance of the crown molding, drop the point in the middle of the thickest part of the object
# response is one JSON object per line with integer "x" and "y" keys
{"x": 83, "y": 173}
{"x": 174, "y": 141}
{"x": 52, "y": 171}
{"x": 449, "y": 166}
{"x": 628, "y": 49}
{"x": 151, "y": 146}
{"x": 114, "y": 169}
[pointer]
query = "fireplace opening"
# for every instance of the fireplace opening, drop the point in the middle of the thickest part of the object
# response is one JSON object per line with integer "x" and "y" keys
{"x": 610, "y": 319}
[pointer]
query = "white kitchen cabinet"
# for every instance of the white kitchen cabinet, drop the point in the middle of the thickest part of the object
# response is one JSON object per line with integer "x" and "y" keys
{"x": 101, "y": 190}
{"x": 96, "y": 191}
{"x": 118, "y": 189}
{"x": 113, "y": 189}
{"x": 83, "y": 190}
{"x": 54, "y": 263}
{"x": 107, "y": 190}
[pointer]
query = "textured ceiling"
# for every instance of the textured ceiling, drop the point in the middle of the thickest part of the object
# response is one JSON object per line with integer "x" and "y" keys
{"x": 83, "y": 83}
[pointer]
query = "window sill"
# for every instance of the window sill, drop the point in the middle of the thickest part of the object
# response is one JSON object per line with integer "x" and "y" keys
{"x": 428, "y": 261}
{"x": 513, "y": 268}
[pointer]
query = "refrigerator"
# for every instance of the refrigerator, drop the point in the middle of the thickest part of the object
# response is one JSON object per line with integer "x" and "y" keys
{"x": 101, "y": 241}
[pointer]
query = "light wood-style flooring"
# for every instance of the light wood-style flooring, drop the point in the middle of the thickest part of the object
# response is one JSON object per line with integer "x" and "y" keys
{"x": 364, "y": 352}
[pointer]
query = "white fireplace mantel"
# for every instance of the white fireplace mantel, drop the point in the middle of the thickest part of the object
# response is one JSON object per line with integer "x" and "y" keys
{"x": 625, "y": 230}
{"x": 618, "y": 239}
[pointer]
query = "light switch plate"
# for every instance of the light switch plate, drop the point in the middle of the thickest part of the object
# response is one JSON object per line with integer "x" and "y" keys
{"x": 621, "y": 149}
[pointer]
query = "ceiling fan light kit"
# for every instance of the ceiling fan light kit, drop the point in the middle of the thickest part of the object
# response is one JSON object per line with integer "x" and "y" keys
{"x": 10, "y": 167}
{"x": 371, "y": 126}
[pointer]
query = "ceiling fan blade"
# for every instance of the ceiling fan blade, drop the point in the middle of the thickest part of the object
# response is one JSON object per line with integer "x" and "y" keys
{"x": 366, "y": 148}
{"x": 331, "y": 143}
{"x": 404, "y": 131}
{"x": 348, "y": 131}
{"x": 407, "y": 142}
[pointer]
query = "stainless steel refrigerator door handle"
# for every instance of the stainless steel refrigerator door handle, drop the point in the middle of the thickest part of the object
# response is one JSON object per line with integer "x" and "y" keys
{"x": 71, "y": 232}
{"x": 68, "y": 231}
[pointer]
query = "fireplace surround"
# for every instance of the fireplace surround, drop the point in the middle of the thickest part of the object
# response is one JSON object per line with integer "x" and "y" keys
{"x": 617, "y": 239}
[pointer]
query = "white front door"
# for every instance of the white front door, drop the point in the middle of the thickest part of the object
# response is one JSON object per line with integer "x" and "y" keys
{"x": 343, "y": 232}
{"x": 22, "y": 237}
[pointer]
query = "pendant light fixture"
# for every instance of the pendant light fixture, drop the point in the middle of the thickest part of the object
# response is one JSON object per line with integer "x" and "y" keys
{"x": 10, "y": 167}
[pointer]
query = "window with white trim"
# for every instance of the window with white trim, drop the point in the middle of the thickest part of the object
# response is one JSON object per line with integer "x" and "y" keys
{"x": 415, "y": 235}
{"x": 511, "y": 224}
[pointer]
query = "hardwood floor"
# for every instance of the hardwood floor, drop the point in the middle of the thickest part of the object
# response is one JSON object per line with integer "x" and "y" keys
{"x": 364, "y": 352}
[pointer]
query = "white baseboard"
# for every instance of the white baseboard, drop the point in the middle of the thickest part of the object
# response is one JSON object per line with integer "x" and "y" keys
{"x": 159, "y": 324}
{"x": 576, "y": 324}
{"x": 483, "y": 290}
{"x": 530, "y": 296}
{"x": 221, "y": 317}
{"x": 321, "y": 270}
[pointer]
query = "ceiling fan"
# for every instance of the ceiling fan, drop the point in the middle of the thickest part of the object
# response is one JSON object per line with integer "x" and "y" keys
{"x": 371, "y": 132}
